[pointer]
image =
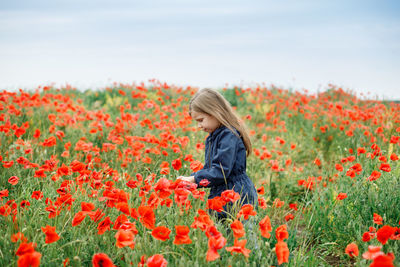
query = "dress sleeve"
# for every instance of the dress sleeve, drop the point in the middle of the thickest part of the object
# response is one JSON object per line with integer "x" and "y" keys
{"x": 222, "y": 160}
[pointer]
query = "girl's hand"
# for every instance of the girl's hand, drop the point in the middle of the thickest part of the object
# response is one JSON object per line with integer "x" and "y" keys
{"x": 187, "y": 178}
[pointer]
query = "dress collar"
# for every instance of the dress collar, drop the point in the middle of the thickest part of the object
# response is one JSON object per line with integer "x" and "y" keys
{"x": 217, "y": 131}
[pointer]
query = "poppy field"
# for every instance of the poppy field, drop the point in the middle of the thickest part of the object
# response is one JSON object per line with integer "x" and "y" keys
{"x": 89, "y": 178}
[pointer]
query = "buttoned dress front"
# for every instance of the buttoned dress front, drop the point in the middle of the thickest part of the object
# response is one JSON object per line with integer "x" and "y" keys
{"x": 225, "y": 166}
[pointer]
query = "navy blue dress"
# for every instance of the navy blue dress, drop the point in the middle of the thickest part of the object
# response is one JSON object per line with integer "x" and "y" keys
{"x": 225, "y": 149}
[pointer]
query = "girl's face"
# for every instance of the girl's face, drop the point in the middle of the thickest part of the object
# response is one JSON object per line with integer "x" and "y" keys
{"x": 205, "y": 122}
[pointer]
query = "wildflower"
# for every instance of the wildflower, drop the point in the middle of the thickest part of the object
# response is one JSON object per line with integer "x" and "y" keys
{"x": 204, "y": 182}
{"x": 239, "y": 247}
{"x": 282, "y": 252}
{"x": 377, "y": 219}
{"x": 156, "y": 260}
{"x": 374, "y": 176}
{"x": 102, "y": 260}
{"x": 182, "y": 235}
{"x": 196, "y": 165}
{"x": 104, "y": 225}
{"x": 78, "y": 218}
{"x": 147, "y": 217}
{"x": 385, "y": 167}
{"x": 124, "y": 238}
{"x": 161, "y": 233}
{"x": 176, "y": 164}
{"x": 265, "y": 227}
{"x": 13, "y": 180}
{"x": 19, "y": 236}
{"x": 352, "y": 250}
{"x": 383, "y": 261}
{"x": 373, "y": 252}
{"x": 261, "y": 190}
{"x": 51, "y": 235}
{"x": 289, "y": 217}
{"x": 230, "y": 196}
{"x": 246, "y": 211}
{"x": 281, "y": 233}
{"x": 37, "y": 195}
{"x": 341, "y": 196}
{"x": 29, "y": 259}
{"x": 215, "y": 243}
{"x": 237, "y": 228}
{"x": 384, "y": 233}
{"x": 339, "y": 167}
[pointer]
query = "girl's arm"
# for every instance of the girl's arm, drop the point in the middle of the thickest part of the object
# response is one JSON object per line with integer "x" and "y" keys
{"x": 222, "y": 161}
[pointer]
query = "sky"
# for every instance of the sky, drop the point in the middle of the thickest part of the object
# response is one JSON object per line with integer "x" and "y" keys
{"x": 291, "y": 44}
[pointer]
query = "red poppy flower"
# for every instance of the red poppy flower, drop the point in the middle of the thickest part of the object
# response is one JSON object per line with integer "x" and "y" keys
{"x": 49, "y": 142}
{"x": 383, "y": 261}
{"x": 293, "y": 206}
{"x": 373, "y": 252}
{"x": 238, "y": 229}
{"x": 36, "y": 134}
{"x": 203, "y": 221}
{"x": 51, "y": 235}
{"x": 282, "y": 252}
{"x": 104, "y": 225}
{"x": 367, "y": 236}
{"x": 5, "y": 210}
{"x": 265, "y": 227}
{"x": 281, "y": 233}
{"x": 29, "y": 259}
{"x": 176, "y": 164}
{"x": 87, "y": 206}
{"x": 161, "y": 233}
{"x": 352, "y": 250}
{"x": 278, "y": 203}
{"x": 3, "y": 193}
{"x": 246, "y": 211}
{"x": 37, "y": 195}
{"x": 217, "y": 203}
{"x": 204, "y": 182}
{"x": 25, "y": 248}
{"x": 230, "y": 196}
{"x": 289, "y": 217}
{"x": 377, "y": 219}
{"x": 147, "y": 217}
{"x": 215, "y": 244}
{"x": 394, "y": 157}
{"x": 18, "y": 236}
{"x": 182, "y": 235}
{"x": 374, "y": 176}
{"x": 341, "y": 196}
{"x": 239, "y": 247}
{"x": 8, "y": 164}
{"x": 102, "y": 260}
{"x": 40, "y": 173}
{"x": 261, "y": 190}
{"x": 385, "y": 167}
{"x": 13, "y": 180}
{"x": 63, "y": 170}
{"x": 384, "y": 233}
{"x": 156, "y": 260}
{"x": 124, "y": 239}
{"x": 79, "y": 217}
{"x": 196, "y": 166}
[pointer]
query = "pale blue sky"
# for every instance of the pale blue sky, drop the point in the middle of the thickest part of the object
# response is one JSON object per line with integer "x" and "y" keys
{"x": 293, "y": 44}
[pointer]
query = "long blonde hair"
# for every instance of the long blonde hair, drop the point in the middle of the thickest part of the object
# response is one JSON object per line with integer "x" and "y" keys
{"x": 211, "y": 102}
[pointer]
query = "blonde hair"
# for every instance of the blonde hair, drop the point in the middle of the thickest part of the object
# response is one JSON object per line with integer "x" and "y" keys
{"x": 211, "y": 102}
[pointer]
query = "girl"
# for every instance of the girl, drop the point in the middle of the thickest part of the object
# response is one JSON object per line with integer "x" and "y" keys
{"x": 227, "y": 146}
